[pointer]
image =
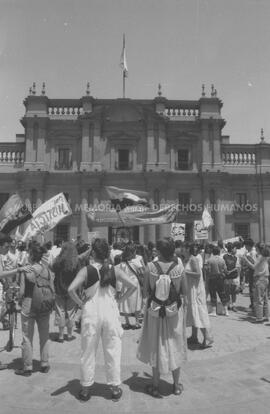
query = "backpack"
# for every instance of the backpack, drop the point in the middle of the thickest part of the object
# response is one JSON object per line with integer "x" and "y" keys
{"x": 43, "y": 298}
{"x": 231, "y": 261}
{"x": 164, "y": 300}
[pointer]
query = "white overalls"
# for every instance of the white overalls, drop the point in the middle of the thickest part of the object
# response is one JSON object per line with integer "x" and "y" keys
{"x": 101, "y": 318}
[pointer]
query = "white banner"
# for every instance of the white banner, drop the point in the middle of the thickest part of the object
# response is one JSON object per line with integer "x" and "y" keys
{"x": 200, "y": 233}
{"x": 178, "y": 231}
{"x": 47, "y": 216}
{"x": 231, "y": 240}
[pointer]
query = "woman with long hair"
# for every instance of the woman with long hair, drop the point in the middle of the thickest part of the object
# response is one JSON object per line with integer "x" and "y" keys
{"x": 197, "y": 312}
{"x": 100, "y": 317}
{"x": 35, "y": 310}
{"x": 163, "y": 341}
{"x": 65, "y": 268}
{"x": 133, "y": 304}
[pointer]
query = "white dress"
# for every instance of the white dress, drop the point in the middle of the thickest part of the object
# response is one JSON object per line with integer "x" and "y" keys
{"x": 134, "y": 302}
{"x": 197, "y": 312}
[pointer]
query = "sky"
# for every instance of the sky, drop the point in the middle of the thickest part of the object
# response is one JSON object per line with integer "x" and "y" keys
{"x": 178, "y": 43}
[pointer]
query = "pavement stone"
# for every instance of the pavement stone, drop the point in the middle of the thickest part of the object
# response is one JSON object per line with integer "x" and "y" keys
{"x": 231, "y": 377}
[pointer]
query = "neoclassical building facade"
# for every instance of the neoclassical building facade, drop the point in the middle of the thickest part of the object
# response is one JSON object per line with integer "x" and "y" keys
{"x": 173, "y": 149}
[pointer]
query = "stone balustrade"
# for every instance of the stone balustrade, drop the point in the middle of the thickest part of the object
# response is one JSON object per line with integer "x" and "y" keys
{"x": 179, "y": 110}
{"x": 65, "y": 108}
{"x": 239, "y": 155}
{"x": 11, "y": 154}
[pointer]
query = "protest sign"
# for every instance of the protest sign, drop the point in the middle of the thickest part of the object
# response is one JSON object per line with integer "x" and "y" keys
{"x": 47, "y": 216}
{"x": 200, "y": 233}
{"x": 178, "y": 231}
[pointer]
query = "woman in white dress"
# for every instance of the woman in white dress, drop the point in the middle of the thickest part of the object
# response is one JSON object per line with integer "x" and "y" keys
{"x": 197, "y": 312}
{"x": 134, "y": 270}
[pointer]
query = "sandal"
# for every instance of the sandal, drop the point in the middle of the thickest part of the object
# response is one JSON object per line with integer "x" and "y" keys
{"x": 178, "y": 389}
{"x": 207, "y": 344}
{"x": 153, "y": 391}
{"x": 137, "y": 326}
{"x": 117, "y": 394}
{"x": 84, "y": 394}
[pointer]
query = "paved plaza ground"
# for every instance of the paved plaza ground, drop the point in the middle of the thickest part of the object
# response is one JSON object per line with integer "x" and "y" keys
{"x": 232, "y": 377}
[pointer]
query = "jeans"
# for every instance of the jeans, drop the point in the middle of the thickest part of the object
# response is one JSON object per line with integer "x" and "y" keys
{"x": 216, "y": 286}
{"x": 230, "y": 290}
{"x": 28, "y": 324}
{"x": 261, "y": 298}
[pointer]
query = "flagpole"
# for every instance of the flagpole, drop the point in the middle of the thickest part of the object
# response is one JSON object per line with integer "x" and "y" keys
{"x": 124, "y": 84}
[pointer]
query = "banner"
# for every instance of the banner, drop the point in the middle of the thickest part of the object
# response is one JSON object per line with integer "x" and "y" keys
{"x": 131, "y": 217}
{"x": 135, "y": 196}
{"x": 200, "y": 233}
{"x": 13, "y": 213}
{"x": 47, "y": 216}
{"x": 231, "y": 240}
{"x": 178, "y": 231}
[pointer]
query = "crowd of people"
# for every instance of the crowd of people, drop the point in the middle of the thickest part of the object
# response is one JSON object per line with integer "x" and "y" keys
{"x": 160, "y": 288}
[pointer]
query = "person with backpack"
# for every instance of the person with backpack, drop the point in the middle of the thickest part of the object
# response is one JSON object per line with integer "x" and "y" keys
{"x": 37, "y": 305}
{"x": 65, "y": 268}
{"x": 100, "y": 317}
{"x": 163, "y": 342}
{"x": 133, "y": 304}
{"x": 197, "y": 312}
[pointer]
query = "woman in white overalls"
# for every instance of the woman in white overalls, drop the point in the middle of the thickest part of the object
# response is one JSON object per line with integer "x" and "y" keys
{"x": 100, "y": 318}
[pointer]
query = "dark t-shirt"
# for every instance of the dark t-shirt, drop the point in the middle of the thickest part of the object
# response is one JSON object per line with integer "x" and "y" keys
{"x": 63, "y": 279}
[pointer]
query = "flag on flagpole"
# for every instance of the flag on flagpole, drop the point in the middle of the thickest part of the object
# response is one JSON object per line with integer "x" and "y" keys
{"x": 123, "y": 59}
{"x": 207, "y": 220}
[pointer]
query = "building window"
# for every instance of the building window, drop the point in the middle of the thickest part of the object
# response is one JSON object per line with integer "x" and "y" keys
{"x": 90, "y": 198}
{"x": 243, "y": 230}
{"x": 241, "y": 199}
{"x": 62, "y": 232}
{"x": 3, "y": 199}
{"x": 123, "y": 160}
{"x": 156, "y": 197}
{"x": 182, "y": 160}
{"x": 183, "y": 202}
{"x": 33, "y": 199}
{"x": 64, "y": 159}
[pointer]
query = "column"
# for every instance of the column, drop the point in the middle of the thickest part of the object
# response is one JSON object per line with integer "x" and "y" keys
{"x": 206, "y": 151}
{"x": 220, "y": 216}
{"x": 151, "y": 160}
{"x": 96, "y": 147}
{"x": 150, "y": 233}
{"x": 41, "y": 142}
{"x": 83, "y": 218}
{"x": 86, "y": 150}
{"x": 29, "y": 145}
{"x": 163, "y": 161}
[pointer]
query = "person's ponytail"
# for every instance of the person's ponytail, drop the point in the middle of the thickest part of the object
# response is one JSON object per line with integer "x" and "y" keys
{"x": 101, "y": 249}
